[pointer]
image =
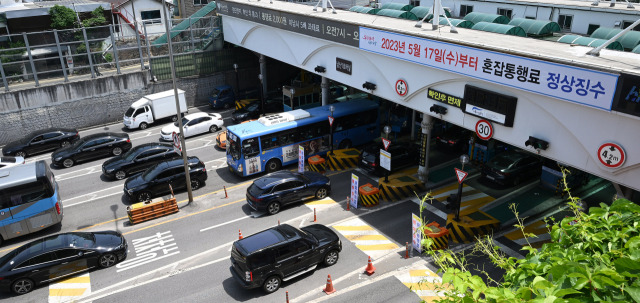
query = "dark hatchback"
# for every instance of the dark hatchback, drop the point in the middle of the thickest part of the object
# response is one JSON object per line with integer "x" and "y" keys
{"x": 402, "y": 156}
{"x": 254, "y": 110}
{"x": 270, "y": 192}
{"x": 138, "y": 159}
{"x": 156, "y": 179}
{"x": 59, "y": 256}
{"x": 512, "y": 168}
{"x": 41, "y": 141}
{"x": 282, "y": 253}
{"x": 91, "y": 147}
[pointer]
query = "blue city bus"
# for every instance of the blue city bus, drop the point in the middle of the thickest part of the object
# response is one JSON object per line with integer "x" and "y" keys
{"x": 272, "y": 141}
{"x": 29, "y": 199}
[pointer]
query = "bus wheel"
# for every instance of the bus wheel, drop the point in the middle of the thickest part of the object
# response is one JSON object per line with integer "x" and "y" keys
{"x": 344, "y": 144}
{"x": 273, "y": 165}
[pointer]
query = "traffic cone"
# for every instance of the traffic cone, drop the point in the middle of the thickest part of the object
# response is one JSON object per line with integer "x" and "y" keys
{"x": 329, "y": 288}
{"x": 370, "y": 268}
{"x": 239, "y": 235}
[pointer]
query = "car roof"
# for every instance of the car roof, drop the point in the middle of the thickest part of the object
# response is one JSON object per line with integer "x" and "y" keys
{"x": 196, "y": 115}
{"x": 267, "y": 238}
{"x": 50, "y": 243}
{"x": 146, "y": 146}
{"x": 106, "y": 134}
{"x": 276, "y": 178}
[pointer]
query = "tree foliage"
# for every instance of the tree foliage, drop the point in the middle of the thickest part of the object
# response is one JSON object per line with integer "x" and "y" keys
{"x": 62, "y": 17}
{"x": 97, "y": 18}
{"x": 592, "y": 257}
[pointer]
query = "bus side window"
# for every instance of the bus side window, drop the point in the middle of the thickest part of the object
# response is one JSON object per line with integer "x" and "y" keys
{"x": 250, "y": 147}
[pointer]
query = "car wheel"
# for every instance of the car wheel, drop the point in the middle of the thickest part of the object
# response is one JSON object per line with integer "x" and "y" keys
{"x": 344, "y": 144}
{"x": 273, "y": 208}
{"x": 213, "y": 128}
{"x": 322, "y": 192}
{"x": 22, "y": 286}
{"x": 121, "y": 174}
{"x": 144, "y": 196}
{"x": 116, "y": 151}
{"x": 67, "y": 163}
{"x": 143, "y": 125}
{"x": 271, "y": 284}
{"x": 21, "y": 153}
{"x": 65, "y": 143}
{"x": 273, "y": 165}
{"x": 331, "y": 258}
{"x": 174, "y": 118}
{"x": 195, "y": 184}
{"x": 107, "y": 260}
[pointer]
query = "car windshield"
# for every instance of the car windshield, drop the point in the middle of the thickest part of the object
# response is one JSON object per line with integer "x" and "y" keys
{"x": 184, "y": 121}
{"x": 78, "y": 143}
{"x": 233, "y": 149}
{"x": 215, "y": 92}
{"x": 253, "y": 107}
{"x": 503, "y": 161}
{"x": 150, "y": 173}
{"x": 129, "y": 112}
{"x": 129, "y": 155}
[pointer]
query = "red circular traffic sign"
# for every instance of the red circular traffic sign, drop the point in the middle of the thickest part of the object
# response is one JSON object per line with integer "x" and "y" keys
{"x": 611, "y": 155}
{"x": 484, "y": 130}
{"x": 402, "y": 88}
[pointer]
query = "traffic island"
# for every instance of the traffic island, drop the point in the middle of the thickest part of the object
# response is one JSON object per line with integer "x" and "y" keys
{"x": 369, "y": 195}
{"x": 317, "y": 164}
{"x": 470, "y": 226}
{"x": 400, "y": 186}
{"x": 342, "y": 159}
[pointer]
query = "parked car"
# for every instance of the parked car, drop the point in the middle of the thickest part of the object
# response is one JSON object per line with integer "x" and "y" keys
{"x": 282, "y": 253}
{"x": 194, "y": 124}
{"x": 254, "y": 110}
{"x": 59, "y": 256}
{"x": 41, "y": 141}
{"x": 512, "y": 167}
{"x": 6, "y": 162}
{"x": 402, "y": 155}
{"x": 156, "y": 179}
{"x": 270, "y": 192}
{"x": 138, "y": 159}
{"x": 454, "y": 139}
{"x": 91, "y": 147}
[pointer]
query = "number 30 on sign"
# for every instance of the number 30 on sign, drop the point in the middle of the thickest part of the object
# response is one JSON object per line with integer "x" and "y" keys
{"x": 484, "y": 130}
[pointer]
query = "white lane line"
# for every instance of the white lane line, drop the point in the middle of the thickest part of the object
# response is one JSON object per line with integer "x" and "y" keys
{"x": 95, "y": 197}
{"x": 93, "y": 193}
{"x": 222, "y": 224}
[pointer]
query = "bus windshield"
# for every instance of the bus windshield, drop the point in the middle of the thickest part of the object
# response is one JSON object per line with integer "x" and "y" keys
{"x": 233, "y": 148}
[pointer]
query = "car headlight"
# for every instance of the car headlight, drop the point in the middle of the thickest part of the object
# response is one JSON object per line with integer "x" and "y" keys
{"x": 57, "y": 159}
{"x": 110, "y": 170}
{"x": 130, "y": 191}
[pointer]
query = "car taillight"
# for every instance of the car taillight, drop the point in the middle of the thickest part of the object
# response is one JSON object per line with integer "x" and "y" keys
{"x": 77, "y": 134}
{"x": 452, "y": 142}
{"x": 372, "y": 164}
{"x": 128, "y": 140}
{"x": 503, "y": 173}
{"x": 58, "y": 208}
{"x": 248, "y": 276}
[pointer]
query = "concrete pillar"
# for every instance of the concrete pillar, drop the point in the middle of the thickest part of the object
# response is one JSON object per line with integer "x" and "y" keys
{"x": 263, "y": 72}
{"x": 427, "y": 126}
{"x": 325, "y": 90}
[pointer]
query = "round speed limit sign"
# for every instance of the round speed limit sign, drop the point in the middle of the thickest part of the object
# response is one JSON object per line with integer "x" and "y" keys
{"x": 484, "y": 130}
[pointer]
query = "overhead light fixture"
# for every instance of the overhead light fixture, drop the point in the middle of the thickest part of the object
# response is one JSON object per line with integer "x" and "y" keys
{"x": 536, "y": 143}
{"x": 320, "y": 69}
{"x": 438, "y": 109}
{"x": 368, "y": 85}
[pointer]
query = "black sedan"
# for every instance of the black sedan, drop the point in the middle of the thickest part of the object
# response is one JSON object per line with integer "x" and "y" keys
{"x": 138, "y": 159}
{"x": 512, "y": 167}
{"x": 402, "y": 156}
{"x": 280, "y": 188}
{"x": 156, "y": 179}
{"x": 254, "y": 110}
{"x": 41, "y": 141}
{"x": 454, "y": 139}
{"x": 92, "y": 147}
{"x": 59, "y": 256}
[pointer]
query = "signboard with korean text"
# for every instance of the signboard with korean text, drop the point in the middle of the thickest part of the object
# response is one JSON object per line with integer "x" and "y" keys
{"x": 300, "y": 158}
{"x": 423, "y": 150}
{"x": 587, "y": 87}
{"x": 416, "y": 233}
{"x": 445, "y": 98}
{"x": 344, "y": 66}
{"x": 353, "y": 199}
{"x": 339, "y": 32}
{"x": 385, "y": 159}
{"x": 490, "y": 105}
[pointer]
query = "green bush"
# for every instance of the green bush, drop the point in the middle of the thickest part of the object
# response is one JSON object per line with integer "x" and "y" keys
{"x": 62, "y": 17}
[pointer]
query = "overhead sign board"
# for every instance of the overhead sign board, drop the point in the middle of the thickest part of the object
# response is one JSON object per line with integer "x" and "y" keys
{"x": 492, "y": 106}
{"x": 628, "y": 96}
{"x": 344, "y": 66}
{"x": 445, "y": 98}
{"x": 611, "y": 155}
{"x": 574, "y": 84}
{"x": 339, "y": 32}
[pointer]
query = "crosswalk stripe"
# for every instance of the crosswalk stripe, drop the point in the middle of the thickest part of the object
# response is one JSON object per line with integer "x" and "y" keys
{"x": 387, "y": 246}
{"x": 66, "y": 292}
{"x": 365, "y": 237}
{"x": 81, "y": 279}
{"x": 353, "y": 228}
{"x": 422, "y": 281}
{"x": 422, "y": 273}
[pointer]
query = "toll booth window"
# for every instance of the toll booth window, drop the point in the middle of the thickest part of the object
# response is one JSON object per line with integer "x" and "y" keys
{"x": 250, "y": 148}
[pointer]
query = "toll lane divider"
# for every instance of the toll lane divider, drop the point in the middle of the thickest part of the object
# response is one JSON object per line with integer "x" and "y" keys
{"x": 400, "y": 186}
{"x": 148, "y": 210}
{"x": 471, "y": 226}
{"x": 369, "y": 195}
{"x": 317, "y": 164}
{"x": 342, "y": 159}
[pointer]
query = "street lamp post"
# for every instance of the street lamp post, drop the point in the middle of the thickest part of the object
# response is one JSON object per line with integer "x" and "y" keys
{"x": 237, "y": 88}
{"x": 464, "y": 159}
{"x": 331, "y": 109}
{"x": 386, "y": 130}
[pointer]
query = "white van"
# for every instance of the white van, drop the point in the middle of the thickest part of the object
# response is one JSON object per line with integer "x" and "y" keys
{"x": 154, "y": 107}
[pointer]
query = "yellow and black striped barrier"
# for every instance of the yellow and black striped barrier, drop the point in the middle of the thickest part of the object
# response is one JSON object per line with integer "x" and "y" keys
{"x": 439, "y": 234}
{"x": 342, "y": 159}
{"x": 369, "y": 195}
{"x": 317, "y": 164}
{"x": 240, "y": 104}
{"x": 400, "y": 186}
{"x": 471, "y": 226}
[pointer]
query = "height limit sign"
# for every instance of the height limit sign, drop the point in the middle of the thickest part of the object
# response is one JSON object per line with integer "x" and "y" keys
{"x": 611, "y": 155}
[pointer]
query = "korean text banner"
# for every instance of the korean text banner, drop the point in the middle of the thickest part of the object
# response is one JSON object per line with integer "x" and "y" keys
{"x": 574, "y": 84}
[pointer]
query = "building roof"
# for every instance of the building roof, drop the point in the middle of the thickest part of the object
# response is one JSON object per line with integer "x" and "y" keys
{"x": 364, "y": 10}
{"x": 476, "y": 17}
{"x": 592, "y": 42}
{"x": 422, "y": 11}
{"x": 119, "y": 3}
{"x": 397, "y": 14}
{"x": 457, "y": 22}
{"x": 536, "y": 27}
{"x": 397, "y": 6}
{"x": 500, "y": 28}
{"x": 629, "y": 40}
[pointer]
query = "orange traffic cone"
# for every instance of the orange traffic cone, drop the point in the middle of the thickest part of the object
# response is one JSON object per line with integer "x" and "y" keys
{"x": 329, "y": 288}
{"x": 370, "y": 268}
{"x": 239, "y": 235}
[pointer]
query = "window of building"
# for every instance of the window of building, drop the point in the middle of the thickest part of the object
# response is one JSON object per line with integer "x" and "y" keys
{"x": 505, "y": 12}
{"x": 465, "y": 9}
{"x": 151, "y": 17}
{"x": 199, "y": 2}
{"x": 626, "y": 24}
{"x": 565, "y": 22}
{"x": 592, "y": 28}
{"x": 414, "y": 2}
{"x": 529, "y": 17}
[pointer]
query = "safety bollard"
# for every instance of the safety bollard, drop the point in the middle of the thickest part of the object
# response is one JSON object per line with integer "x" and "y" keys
{"x": 278, "y": 222}
{"x": 225, "y": 192}
{"x": 348, "y": 203}
{"x": 406, "y": 255}
{"x": 315, "y": 219}
{"x": 287, "y": 296}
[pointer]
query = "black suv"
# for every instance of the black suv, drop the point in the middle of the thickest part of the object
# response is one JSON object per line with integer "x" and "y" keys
{"x": 138, "y": 159}
{"x": 282, "y": 253}
{"x": 402, "y": 155}
{"x": 254, "y": 109}
{"x": 156, "y": 179}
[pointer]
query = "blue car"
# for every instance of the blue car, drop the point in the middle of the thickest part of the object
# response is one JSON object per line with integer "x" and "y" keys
{"x": 280, "y": 188}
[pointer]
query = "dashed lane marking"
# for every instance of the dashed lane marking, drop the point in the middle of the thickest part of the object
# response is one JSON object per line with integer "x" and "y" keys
{"x": 366, "y": 238}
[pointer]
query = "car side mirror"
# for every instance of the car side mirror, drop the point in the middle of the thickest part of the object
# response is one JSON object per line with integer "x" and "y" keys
{"x": 80, "y": 254}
